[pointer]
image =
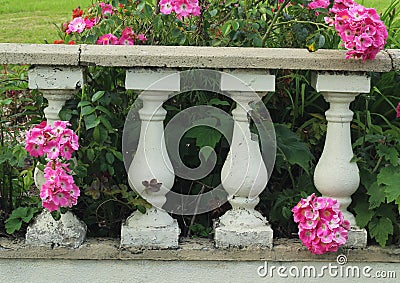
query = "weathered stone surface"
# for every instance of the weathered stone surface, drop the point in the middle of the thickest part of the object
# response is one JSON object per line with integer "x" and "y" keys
{"x": 154, "y": 80}
{"x": 228, "y": 58}
{"x": 153, "y": 230}
{"x": 39, "y": 54}
{"x": 188, "y": 56}
{"x": 346, "y": 83}
{"x": 357, "y": 238}
{"x": 251, "y": 80}
{"x": 45, "y": 231}
{"x": 242, "y": 228}
{"x": 55, "y": 77}
{"x": 395, "y": 55}
{"x": 284, "y": 250}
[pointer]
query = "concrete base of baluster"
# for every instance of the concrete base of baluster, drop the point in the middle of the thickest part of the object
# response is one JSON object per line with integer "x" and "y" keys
{"x": 69, "y": 231}
{"x": 243, "y": 228}
{"x": 155, "y": 229}
{"x": 357, "y": 238}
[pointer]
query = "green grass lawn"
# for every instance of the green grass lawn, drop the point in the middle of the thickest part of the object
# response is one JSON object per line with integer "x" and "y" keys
{"x": 32, "y": 21}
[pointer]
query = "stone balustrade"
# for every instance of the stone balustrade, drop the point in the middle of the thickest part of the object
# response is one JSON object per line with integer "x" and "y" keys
{"x": 57, "y": 72}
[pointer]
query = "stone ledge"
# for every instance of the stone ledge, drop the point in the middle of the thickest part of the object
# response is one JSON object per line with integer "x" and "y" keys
{"x": 284, "y": 250}
{"x": 192, "y": 57}
{"x": 39, "y": 54}
{"x": 228, "y": 57}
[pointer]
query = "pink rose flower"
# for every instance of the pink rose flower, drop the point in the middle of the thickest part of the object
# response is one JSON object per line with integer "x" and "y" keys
{"x": 106, "y": 9}
{"x": 166, "y": 6}
{"x": 107, "y": 39}
{"x": 76, "y": 25}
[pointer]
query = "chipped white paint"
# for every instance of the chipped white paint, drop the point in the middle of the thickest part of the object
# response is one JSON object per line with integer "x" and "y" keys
{"x": 244, "y": 174}
{"x": 252, "y": 80}
{"x": 69, "y": 231}
{"x": 55, "y": 77}
{"x": 56, "y": 100}
{"x": 155, "y": 80}
{"x": 335, "y": 175}
{"x": 156, "y": 228}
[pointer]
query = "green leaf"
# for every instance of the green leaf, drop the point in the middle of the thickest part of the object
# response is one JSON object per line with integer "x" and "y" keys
{"x": 6, "y": 101}
{"x": 118, "y": 155}
{"x": 213, "y": 13}
{"x": 205, "y": 136}
{"x": 377, "y": 195}
{"x": 100, "y": 134}
{"x": 14, "y": 222}
{"x": 235, "y": 25}
{"x": 98, "y": 95}
{"x": 398, "y": 203}
{"x": 30, "y": 213}
{"x": 87, "y": 110}
{"x": 106, "y": 123}
{"x": 216, "y": 101}
{"x": 13, "y": 225}
{"x": 292, "y": 148}
{"x": 91, "y": 121}
{"x": 83, "y": 103}
{"x": 380, "y": 229}
{"x": 18, "y": 213}
{"x": 90, "y": 154}
{"x": 390, "y": 178}
{"x": 226, "y": 28}
{"x": 363, "y": 214}
{"x": 141, "y": 208}
{"x": 110, "y": 157}
{"x": 104, "y": 110}
{"x": 80, "y": 171}
{"x": 389, "y": 153}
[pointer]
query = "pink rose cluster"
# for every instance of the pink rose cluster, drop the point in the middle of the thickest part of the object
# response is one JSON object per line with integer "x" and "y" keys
{"x": 182, "y": 8}
{"x": 128, "y": 37}
{"x": 361, "y": 29}
{"x": 318, "y": 4}
{"x": 322, "y": 227}
{"x": 398, "y": 111}
{"x": 55, "y": 142}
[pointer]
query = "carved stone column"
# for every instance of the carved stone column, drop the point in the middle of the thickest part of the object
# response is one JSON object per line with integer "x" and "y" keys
{"x": 151, "y": 174}
{"x": 244, "y": 174}
{"x": 335, "y": 175}
{"x": 58, "y": 84}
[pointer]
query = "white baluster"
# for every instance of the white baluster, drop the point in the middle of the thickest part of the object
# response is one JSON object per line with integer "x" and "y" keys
{"x": 156, "y": 228}
{"x": 58, "y": 84}
{"x": 244, "y": 175}
{"x": 335, "y": 175}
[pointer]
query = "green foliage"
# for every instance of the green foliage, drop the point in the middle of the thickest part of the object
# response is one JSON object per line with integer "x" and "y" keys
{"x": 377, "y": 148}
{"x": 198, "y": 230}
{"x": 18, "y": 216}
{"x": 19, "y": 108}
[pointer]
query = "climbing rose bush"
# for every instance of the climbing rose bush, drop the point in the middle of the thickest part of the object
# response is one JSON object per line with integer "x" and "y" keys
{"x": 182, "y": 8}
{"x": 360, "y": 28}
{"x": 281, "y": 23}
{"x": 322, "y": 227}
{"x": 57, "y": 143}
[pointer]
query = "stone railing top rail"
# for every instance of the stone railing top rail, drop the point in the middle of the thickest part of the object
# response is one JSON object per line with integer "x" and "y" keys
{"x": 284, "y": 250}
{"x": 193, "y": 57}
